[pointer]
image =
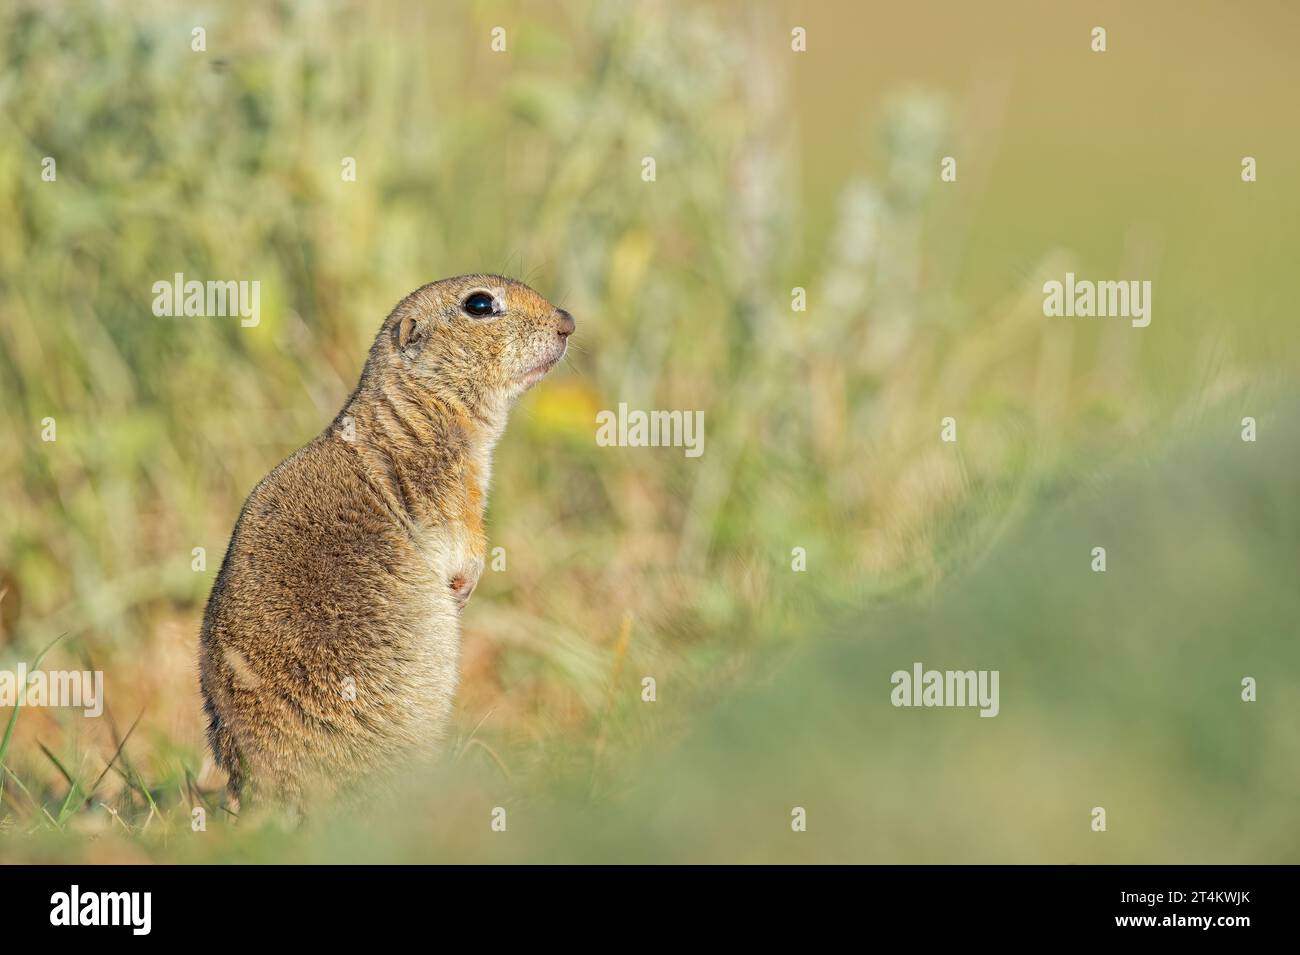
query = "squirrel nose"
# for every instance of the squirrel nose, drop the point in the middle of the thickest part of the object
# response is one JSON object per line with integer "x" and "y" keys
{"x": 567, "y": 324}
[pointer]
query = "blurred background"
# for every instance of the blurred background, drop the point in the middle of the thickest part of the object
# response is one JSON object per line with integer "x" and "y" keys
{"x": 774, "y": 170}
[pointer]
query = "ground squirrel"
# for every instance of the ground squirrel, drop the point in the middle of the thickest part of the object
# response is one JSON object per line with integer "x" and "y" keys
{"x": 330, "y": 643}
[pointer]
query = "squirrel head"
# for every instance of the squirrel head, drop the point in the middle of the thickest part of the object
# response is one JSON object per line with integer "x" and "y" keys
{"x": 480, "y": 340}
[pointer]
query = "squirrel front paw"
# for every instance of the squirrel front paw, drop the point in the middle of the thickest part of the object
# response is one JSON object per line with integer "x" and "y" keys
{"x": 463, "y": 584}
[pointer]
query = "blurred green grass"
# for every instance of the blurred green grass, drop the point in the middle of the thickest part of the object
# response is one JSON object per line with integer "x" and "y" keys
{"x": 773, "y": 172}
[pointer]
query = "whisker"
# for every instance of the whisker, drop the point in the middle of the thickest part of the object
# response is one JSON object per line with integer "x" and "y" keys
{"x": 578, "y": 371}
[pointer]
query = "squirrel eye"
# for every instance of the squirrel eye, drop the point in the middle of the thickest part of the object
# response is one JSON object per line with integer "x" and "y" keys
{"x": 480, "y": 304}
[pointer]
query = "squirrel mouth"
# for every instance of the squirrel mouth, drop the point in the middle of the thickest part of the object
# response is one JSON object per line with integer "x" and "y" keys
{"x": 537, "y": 373}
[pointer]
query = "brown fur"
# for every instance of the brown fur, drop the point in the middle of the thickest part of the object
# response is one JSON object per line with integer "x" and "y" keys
{"x": 353, "y": 557}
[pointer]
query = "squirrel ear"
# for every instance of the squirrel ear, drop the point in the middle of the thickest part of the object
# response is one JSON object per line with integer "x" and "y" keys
{"x": 410, "y": 334}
